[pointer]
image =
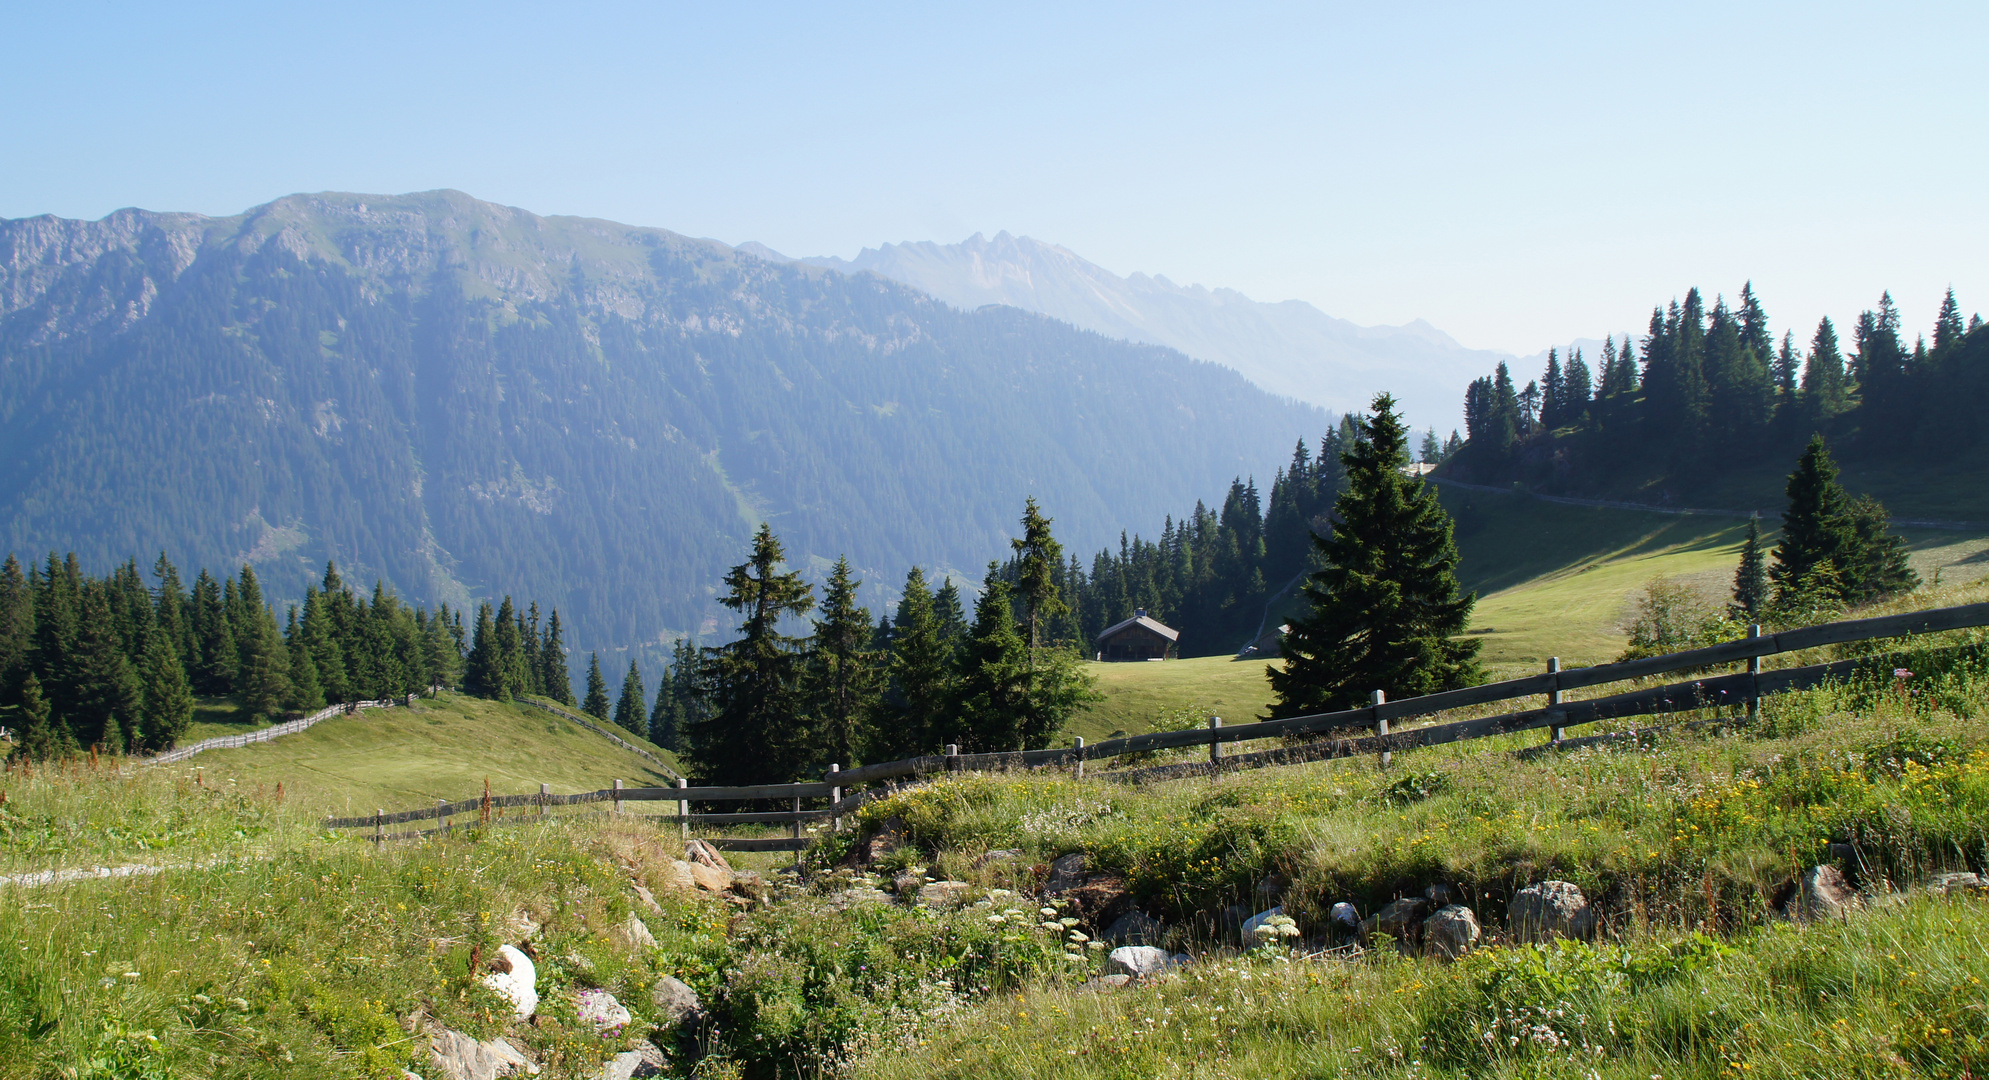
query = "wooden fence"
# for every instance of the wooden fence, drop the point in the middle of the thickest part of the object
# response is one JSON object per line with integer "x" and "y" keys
{"x": 288, "y": 727}
{"x": 598, "y": 730}
{"x": 1557, "y": 715}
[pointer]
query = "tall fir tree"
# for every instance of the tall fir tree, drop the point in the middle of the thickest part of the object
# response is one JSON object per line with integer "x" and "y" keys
{"x": 843, "y": 675}
{"x": 1386, "y": 608}
{"x": 168, "y": 704}
{"x": 552, "y": 663}
{"x": 596, "y": 704}
{"x": 631, "y": 711}
{"x": 43, "y": 736}
{"x": 1824, "y": 384}
{"x": 306, "y": 693}
{"x": 952, "y": 616}
{"x": 483, "y": 673}
{"x": 994, "y": 675}
{"x": 906, "y": 722}
{"x": 757, "y": 727}
{"x": 1750, "y": 579}
{"x": 1816, "y": 528}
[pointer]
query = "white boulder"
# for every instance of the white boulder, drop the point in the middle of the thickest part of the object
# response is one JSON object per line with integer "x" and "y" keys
{"x": 514, "y": 976}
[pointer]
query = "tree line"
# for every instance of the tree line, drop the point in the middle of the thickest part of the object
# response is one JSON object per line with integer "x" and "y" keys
{"x": 116, "y": 663}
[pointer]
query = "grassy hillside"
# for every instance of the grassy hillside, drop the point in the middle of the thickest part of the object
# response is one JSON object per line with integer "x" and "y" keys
{"x": 443, "y": 748}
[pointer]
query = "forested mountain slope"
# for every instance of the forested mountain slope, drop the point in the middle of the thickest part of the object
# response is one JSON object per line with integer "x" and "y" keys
{"x": 466, "y": 399}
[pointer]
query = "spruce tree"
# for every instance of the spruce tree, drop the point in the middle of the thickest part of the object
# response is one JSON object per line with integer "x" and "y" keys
{"x": 105, "y": 704}
{"x": 1038, "y": 556}
{"x": 1750, "y": 580}
{"x": 1878, "y": 568}
{"x": 920, "y": 688}
{"x": 1386, "y": 608}
{"x": 483, "y": 672}
{"x": 1823, "y": 386}
{"x": 843, "y": 675}
{"x": 663, "y": 716}
{"x": 263, "y": 684}
{"x": 596, "y": 704}
{"x": 756, "y": 731}
{"x": 1948, "y": 329}
{"x": 306, "y": 693}
{"x": 17, "y": 630}
{"x": 994, "y": 675}
{"x": 510, "y": 653}
{"x": 946, "y": 607}
{"x": 168, "y": 698}
{"x": 214, "y": 671}
{"x": 170, "y": 610}
{"x": 1816, "y": 528}
{"x": 630, "y": 710}
{"x": 552, "y": 663}
{"x": 43, "y": 737}
{"x": 529, "y": 644}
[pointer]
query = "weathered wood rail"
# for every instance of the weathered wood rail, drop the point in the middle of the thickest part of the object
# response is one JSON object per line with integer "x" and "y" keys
{"x": 1557, "y": 715}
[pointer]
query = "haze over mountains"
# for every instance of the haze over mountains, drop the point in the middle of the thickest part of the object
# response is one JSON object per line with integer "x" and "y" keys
{"x": 1289, "y": 348}
{"x": 467, "y": 400}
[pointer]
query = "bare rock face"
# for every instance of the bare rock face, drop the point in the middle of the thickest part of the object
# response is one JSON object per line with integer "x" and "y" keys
{"x": 1067, "y": 873}
{"x": 1551, "y": 909}
{"x": 1135, "y": 928}
{"x": 631, "y": 1065}
{"x": 1141, "y": 961}
{"x": 648, "y": 898}
{"x": 890, "y": 837}
{"x": 1402, "y": 920}
{"x": 676, "y": 874}
{"x": 1943, "y": 884}
{"x": 599, "y": 1010}
{"x": 1451, "y": 932}
{"x": 709, "y": 878}
{"x": 944, "y": 893}
{"x": 1101, "y": 899}
{"x": 678, "y": 1003}
{"x": 907, "y": 883}
{"x": 702, "y": 853}
{"x": 513, "y": 975}
{"x": 1106, "y": 982}
{"x": 634, "y": 933}
{"x": 456, "y": 1056}
{"x": 1822, "y": 894}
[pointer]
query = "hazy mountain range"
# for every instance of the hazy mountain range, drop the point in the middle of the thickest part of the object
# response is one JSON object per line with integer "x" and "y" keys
{"x": 465, "y": 400}
{"x": 1289, "y": 348}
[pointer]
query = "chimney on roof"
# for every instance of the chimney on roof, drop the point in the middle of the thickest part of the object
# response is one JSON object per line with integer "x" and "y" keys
{"x": 1140, "y": 613}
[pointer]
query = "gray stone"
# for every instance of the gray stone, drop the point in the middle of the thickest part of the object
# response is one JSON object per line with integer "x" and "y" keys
{"x": 1270, "y": 890}
{"x": 635, "y": 933}
{"x": 1248, "y": 931}
{"x": 1141, "y": 961}
{"x": 1451, "y": 932}
{"x": 456, "y": 1056}
{"x": 1067, "y": 872}
{"x": 1402, "y": 920}
{"x": 1821, "y": 894}
{"x": 1957, "y": 882}
{"x": 944, "y": 893}
{"x": 629, "y": 1065}
{"x": 599, "y": 1010}
{"x": 907, "y": 884}
{"x": 998, "y": 855}
{"x": 648, "y": 898}
{"x": 859, "y": 894}
{"x": 513, "y": 975}
{"x": 1440, "y": 895}
{"x": 1135, "y": 928}
{"x": 1346, "y": 915}
{"x": 1551, "y": 909}
{"x": 1105, "y": 982}
{"x": 677, "y": 1002}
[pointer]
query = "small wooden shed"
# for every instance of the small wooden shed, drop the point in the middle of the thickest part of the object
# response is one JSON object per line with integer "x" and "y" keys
{"x": 1138, "y": 638}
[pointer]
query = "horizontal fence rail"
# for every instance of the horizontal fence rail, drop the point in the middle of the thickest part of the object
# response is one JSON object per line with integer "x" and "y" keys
{"x": 601, "y": 731}
{"x": 1710, "y": 691}
{"x": 277, "y": 731}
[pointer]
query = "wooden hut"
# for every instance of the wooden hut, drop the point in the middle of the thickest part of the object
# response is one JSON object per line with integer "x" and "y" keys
{"x": 1138, "y": 638}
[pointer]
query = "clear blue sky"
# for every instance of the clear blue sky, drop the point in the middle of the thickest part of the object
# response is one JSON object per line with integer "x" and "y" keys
{"x": 1517, "y": 174}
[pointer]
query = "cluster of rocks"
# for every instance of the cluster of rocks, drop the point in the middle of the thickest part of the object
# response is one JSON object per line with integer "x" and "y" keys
{"x": 514, "y": 975}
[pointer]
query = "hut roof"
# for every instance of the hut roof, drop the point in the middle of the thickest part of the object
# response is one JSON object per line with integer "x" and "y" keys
{"x": 1167, "y": 632}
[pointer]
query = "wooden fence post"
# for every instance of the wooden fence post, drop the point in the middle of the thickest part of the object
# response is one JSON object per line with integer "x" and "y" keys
{"x": 1381, "y": 724}
{"x": 684, "y": 812}
{"x": 835, "y": 796}
{"x": 1754, "y": 684}
{"x": 1077, "y": 752}
{"x": 442, "y": 819}
{"x": 379, "y": 825}
{"x": 952, "y": 757}
{"x": 618, "y": 797}
{"x": 1215, "y": 748}
{"x": 1555, "y": 733}
{"x": 796, "y": 831}
{"x": 544, "y": 790}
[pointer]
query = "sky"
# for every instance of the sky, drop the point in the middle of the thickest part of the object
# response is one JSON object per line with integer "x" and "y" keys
{"x": 1519, "y": 175}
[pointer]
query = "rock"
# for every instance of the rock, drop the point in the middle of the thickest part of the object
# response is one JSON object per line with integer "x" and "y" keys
{"x": 1135, "y": 928}
{"x": 1942, "y": 884}
{"x": 628, "y": 1065}
{"x": 749, "y": 884}
{"x": 1821, "y": 894}
{"x": 1845, "y": 854}
{"x": 1402, "y": 920}
{"x": 859, "y": 894}
{"x": 944, "y": 893}
{"x": 648, "y": 898}
{"x": 1105, "y": 982}
{"x": 677, "y": 1002}
{"x": 676, "y": 874}
{"x": 1346, "y": 915}
{"x": 710, "y": 878}
{"x": 702, "y": 853}
{"x": 1270, "y": 890}
{"x": 1067, "y": 873}
{"x": 635, "y": 933}
{"x": 599, "y": 1010}
{"x": 1100, "y": 899}
{"x": 459, "y": 1057}
{"x": 890, "y": 837}
{"x": 1440, "y": 895}
{"x": 514, "y": 975}
{"x": 1232, "y": 919}
{"x": 1141, "y": 961}
{"x": 908, "y": 884}
{"x": 1248, "y": 931}
{"x": 1451, "y": 932}
{"x": 520, "y": 926}
{"x": 1551, "y": 909}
